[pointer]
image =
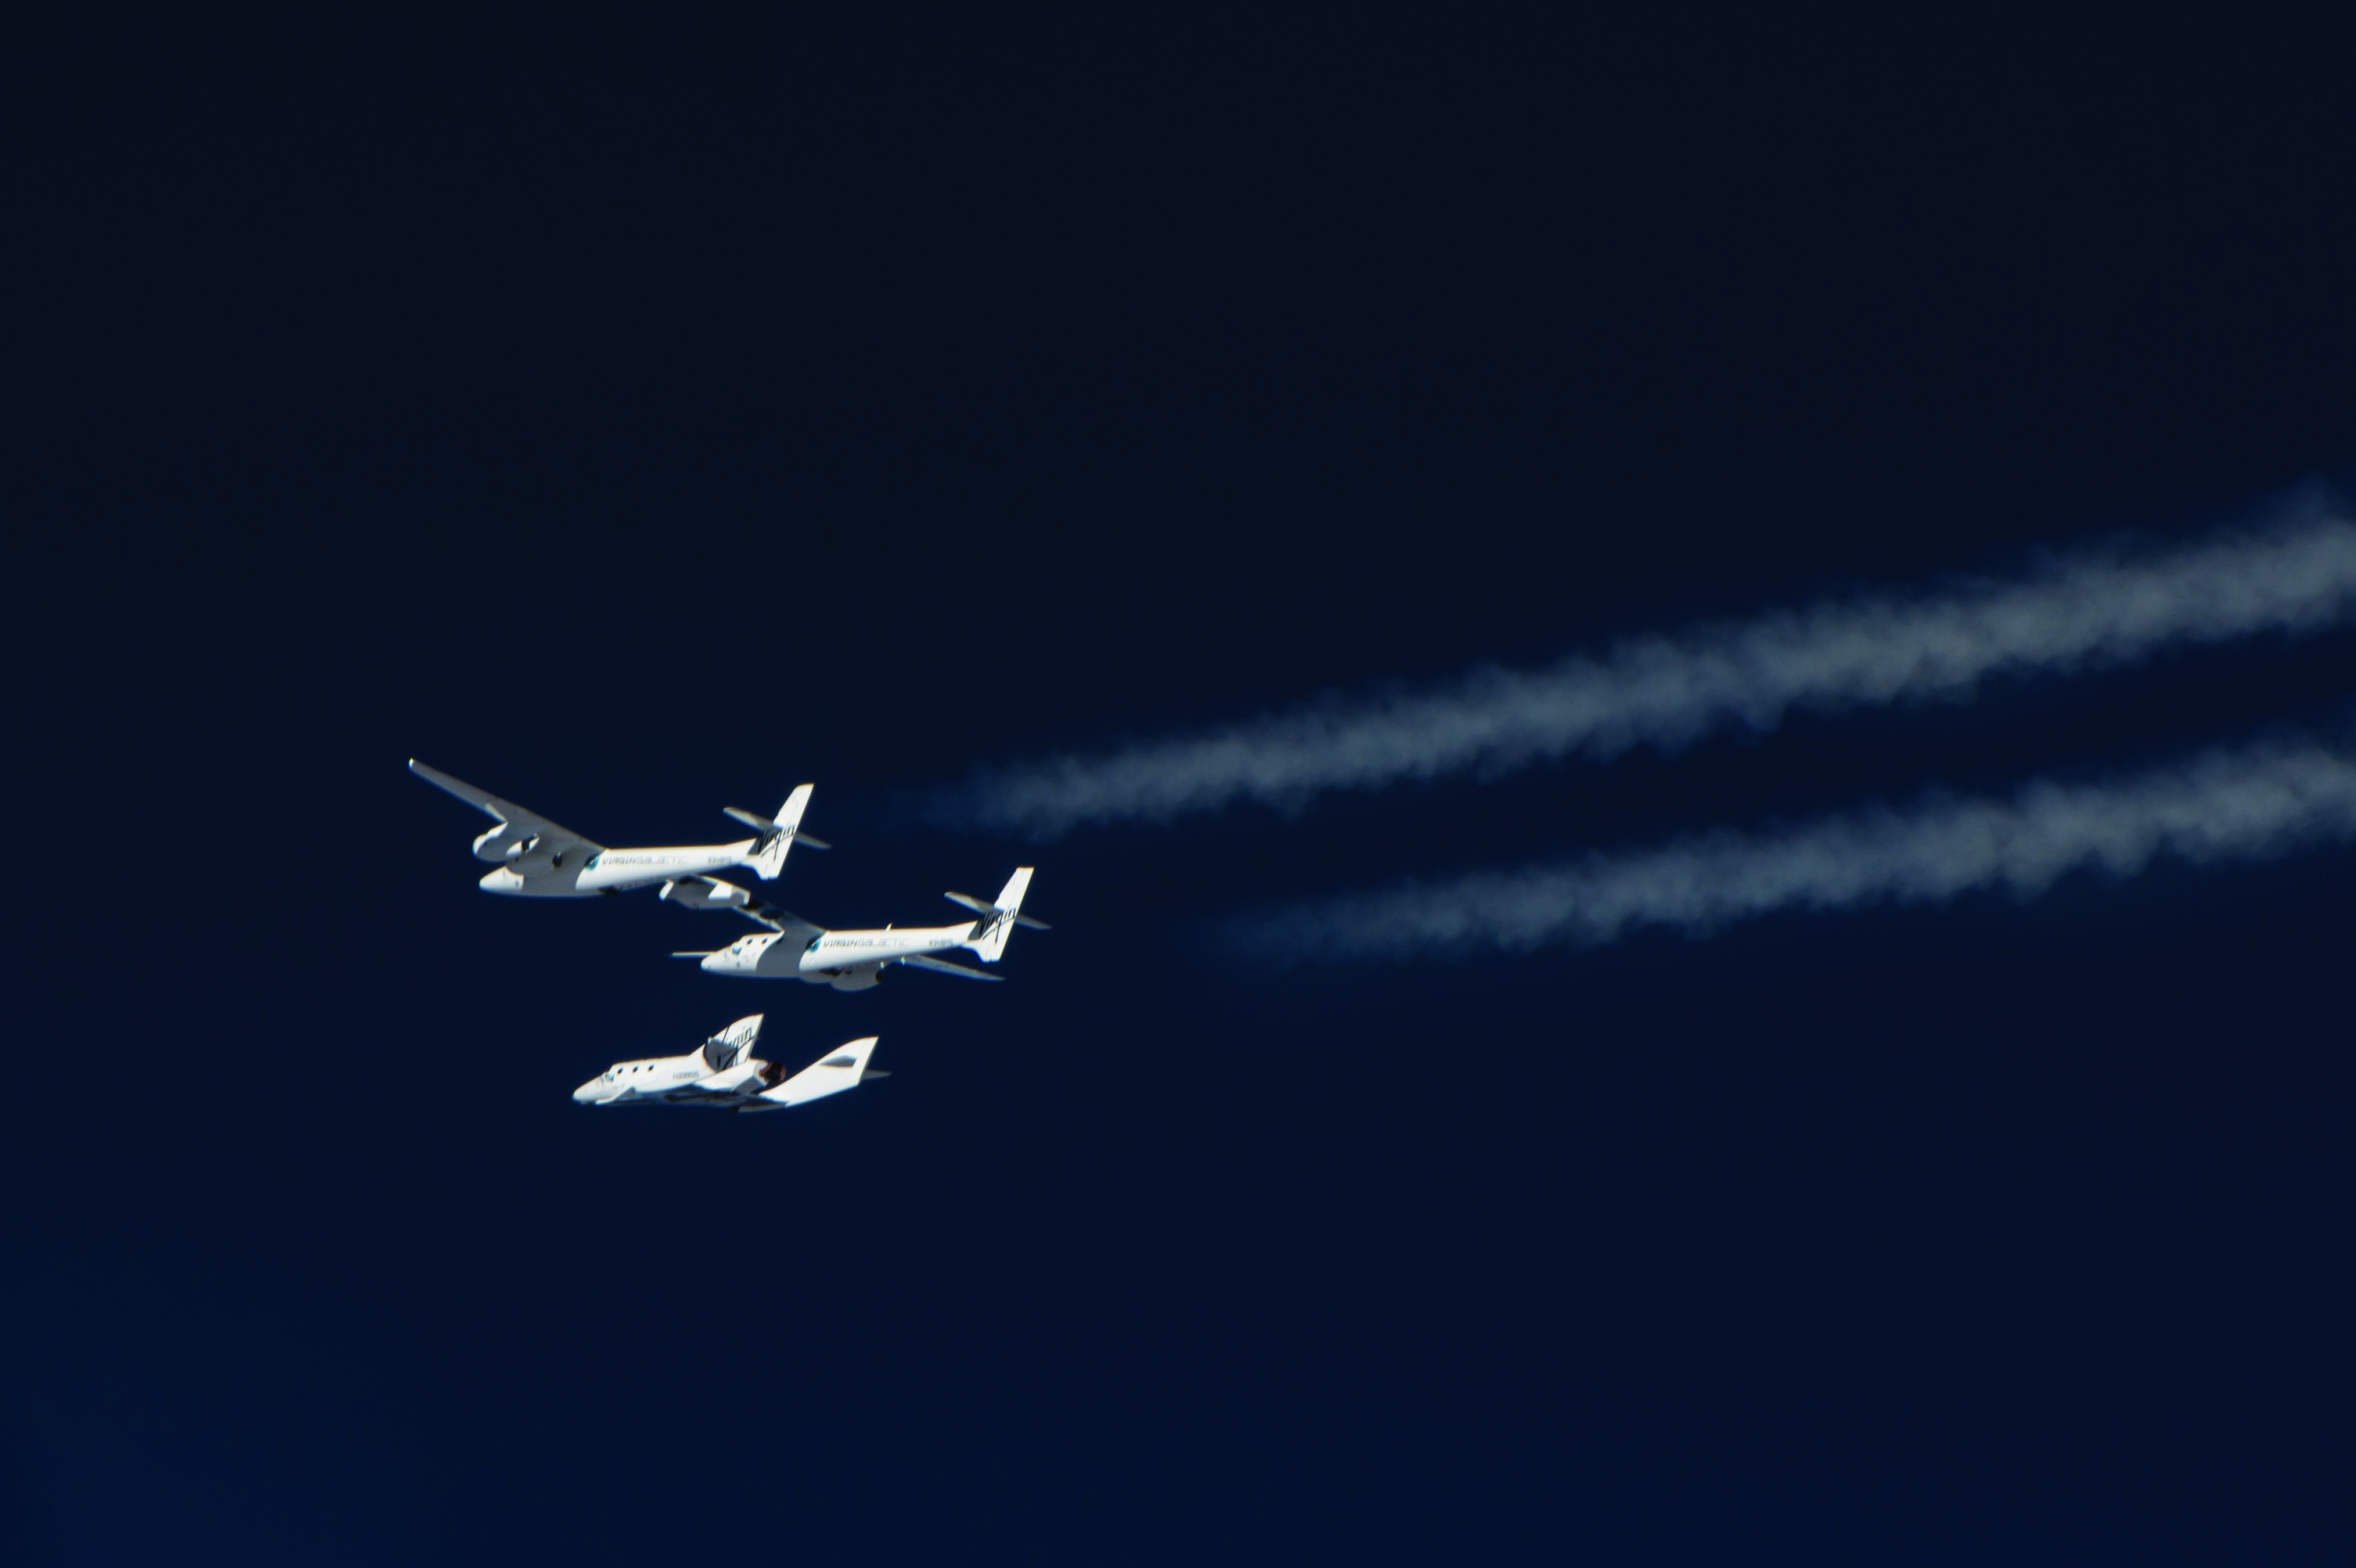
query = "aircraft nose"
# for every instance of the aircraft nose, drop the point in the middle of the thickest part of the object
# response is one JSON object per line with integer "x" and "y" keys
{"x": 590, "y": 1092}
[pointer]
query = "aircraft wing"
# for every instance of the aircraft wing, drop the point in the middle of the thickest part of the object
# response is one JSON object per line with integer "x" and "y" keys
{"x": 793, "y": 926}
{"x": 526, "y": 824}
{"x": 831, "y": 1075}
{"x": 921, "y": 961}
{"x": 717, "y": 893}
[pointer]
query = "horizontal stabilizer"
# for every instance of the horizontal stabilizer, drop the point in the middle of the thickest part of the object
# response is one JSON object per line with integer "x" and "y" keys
{"x": 761, "y": 824}
{"x": 837, "y": 1071}
{"x": 983, "y": 907}
{"x": 938, "y": 967}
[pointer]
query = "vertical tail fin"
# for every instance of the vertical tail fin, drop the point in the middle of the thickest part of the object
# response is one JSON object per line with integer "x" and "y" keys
{"x": 989, "y": 932}
{"x": 733, "y": 1044}
{"x": 777, "y": 833}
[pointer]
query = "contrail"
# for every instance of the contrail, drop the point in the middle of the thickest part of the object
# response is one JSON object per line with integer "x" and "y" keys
{"x": 2223, "y": 805}
{"x": 2080, "y": 611}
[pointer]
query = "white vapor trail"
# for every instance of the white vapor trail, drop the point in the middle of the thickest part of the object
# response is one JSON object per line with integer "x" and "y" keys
{"x": 2223, "y": 805}
{"x": 1669, "y": 691}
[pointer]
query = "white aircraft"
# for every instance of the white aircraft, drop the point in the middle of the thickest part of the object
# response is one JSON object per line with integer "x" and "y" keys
{"x": 853, "y": 961}
{"x": 537, "y": 859}
{"x": 725, "y": 1074}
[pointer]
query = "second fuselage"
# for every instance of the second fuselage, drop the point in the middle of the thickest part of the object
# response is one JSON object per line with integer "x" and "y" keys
{"x": 848, "y": 960}
{"x": 561, "y": 875}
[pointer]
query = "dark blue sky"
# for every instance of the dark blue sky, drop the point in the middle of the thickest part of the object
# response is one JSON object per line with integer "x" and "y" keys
{"x": 637, "y": 422}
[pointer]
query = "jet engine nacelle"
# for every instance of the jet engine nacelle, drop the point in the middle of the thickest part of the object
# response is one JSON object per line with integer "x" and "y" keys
{"x": 503, "y": 842}
{"x": 704, "y": 893}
